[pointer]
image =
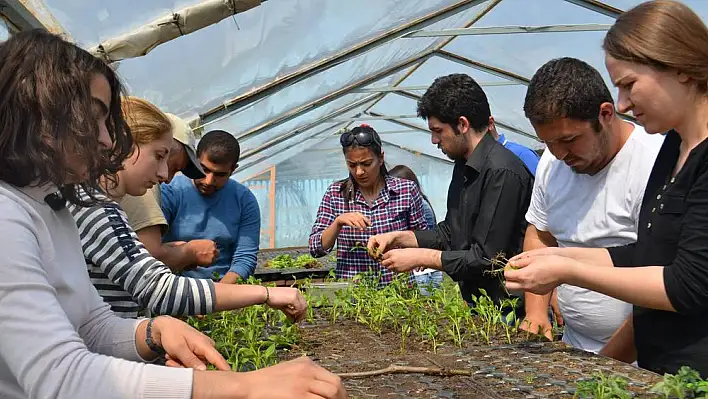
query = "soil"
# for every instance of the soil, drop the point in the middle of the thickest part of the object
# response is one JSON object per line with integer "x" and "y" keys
{"x": 521, "y": 370}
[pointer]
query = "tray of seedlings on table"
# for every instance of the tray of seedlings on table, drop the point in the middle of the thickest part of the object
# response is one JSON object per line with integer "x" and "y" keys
{"x": 392, "y": 342}
{"x": 292, "y": 264}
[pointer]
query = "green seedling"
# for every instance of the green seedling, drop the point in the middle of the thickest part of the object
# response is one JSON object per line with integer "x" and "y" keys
{"x": 603, "y": 387}
{"x": 375, "y": 253}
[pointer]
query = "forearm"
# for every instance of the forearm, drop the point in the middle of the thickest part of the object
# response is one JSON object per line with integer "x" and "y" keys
{"x": 593, "y": 256}
{"x": 229, "y": 296}
{"x": 406, "y": 239}
{"x": 329, "y": 235}
{"x": 641, "y": 286}
{"x": 176, "y": 257}
{"x": 218, "y": 385}
{"x": 536, "y": 306}
{"x": 621, "y": 345}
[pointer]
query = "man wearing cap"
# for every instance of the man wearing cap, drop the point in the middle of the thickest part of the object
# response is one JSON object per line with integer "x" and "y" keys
{"x": 217, "y": 208}
{"x": 145, "y": 214}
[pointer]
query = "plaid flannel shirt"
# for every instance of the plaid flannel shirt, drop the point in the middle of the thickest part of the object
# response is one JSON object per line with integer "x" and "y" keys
{"x": 398, "y": 207}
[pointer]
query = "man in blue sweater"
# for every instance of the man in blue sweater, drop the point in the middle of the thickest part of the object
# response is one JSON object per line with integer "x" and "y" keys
{"x": 528, "y": 156}
{"x": 216, "y": 208}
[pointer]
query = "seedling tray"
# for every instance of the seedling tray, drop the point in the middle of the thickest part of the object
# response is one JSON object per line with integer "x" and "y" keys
{"x": 269, "y": 274}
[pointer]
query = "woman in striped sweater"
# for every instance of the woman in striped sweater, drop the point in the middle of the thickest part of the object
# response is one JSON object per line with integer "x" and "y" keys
{"x": 128, "y": 278}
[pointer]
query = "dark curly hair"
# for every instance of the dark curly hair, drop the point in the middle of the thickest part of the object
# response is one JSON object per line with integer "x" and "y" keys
{"x": 220, "y": 147}
{"x": 566, "y": 88}
{"x": 453, "y": 96}
{"x": 46, "y": 110}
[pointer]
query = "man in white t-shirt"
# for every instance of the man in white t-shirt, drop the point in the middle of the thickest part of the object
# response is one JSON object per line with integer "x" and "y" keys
{"x": 583, "y": 195}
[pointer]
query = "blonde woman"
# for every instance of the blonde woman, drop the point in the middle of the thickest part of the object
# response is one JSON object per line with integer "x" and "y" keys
{"x": 123, "y": 271}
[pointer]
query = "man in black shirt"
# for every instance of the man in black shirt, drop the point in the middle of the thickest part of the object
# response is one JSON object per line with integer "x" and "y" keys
{"x": 487, "y": 199}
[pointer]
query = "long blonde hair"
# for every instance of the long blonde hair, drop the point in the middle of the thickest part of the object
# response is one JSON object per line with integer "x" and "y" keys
{"x": 146, "y": 122}
{"x": 663, "y": 34}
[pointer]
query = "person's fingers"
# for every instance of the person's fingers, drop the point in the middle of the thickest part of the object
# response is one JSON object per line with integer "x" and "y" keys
{"x": 172, "y": 363}
{"x": 187, "y": 357}
{"x": 512, "y": 286}
{"x": 511, "y": 275}
{"x": 323, "y": 389}
{"x": 211, "y": 355}
{"x": 521, "y": 262}
{"x": 367, "y": 221}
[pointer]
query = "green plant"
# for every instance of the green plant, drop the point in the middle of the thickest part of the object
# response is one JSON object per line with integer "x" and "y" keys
{"x": 601, "y": 386}
{"x": 687, "y": 383}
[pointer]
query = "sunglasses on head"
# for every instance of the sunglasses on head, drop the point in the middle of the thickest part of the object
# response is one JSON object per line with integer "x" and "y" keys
{"x": 364, "y": 135}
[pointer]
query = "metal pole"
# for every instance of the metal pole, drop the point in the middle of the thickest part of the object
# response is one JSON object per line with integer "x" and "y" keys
{"x": 329, "y": 62}
{"x": 598, "y": 6}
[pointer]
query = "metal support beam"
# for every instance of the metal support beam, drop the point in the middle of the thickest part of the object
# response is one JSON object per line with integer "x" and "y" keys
{"x": 295, "y": 112}
{"x": 336, "y": 59}
{"x": 390, "y": 89}
{"x": 301, "y": 129}
{"x": 598, "y": 6}
{"x": 314, "y": 136}
{"x": 376, "y": 118}
{"x": 497, "y": 121}
{"x": 418, "y": 153}
{"x": 398, "y": 122}
{"x": 506, "y": 30}
{"x": 483, "y": 67}
{"x": 25, "y": 15}
{"x": 490, "y": 6}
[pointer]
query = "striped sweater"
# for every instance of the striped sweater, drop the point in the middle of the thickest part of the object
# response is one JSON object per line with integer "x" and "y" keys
{"x": 125, "y": 274}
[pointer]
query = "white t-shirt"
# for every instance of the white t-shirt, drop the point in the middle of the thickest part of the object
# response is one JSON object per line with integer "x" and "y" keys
{"x": 580, "y": 210}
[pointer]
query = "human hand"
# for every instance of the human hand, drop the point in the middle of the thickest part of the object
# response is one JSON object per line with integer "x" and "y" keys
{"x": 353, "y": 219}
{"x": 299, "y": 378}
{"x": 555, "y": 308}
{"x": 545, "y": 251}
{"x": 537, "y": 324}
{"x": 230, "y": 278}
{"x": 185, "y": 346}
{"x": 538, "y": 274}
{"x": 289, "y": 301}
{"x": 203, "y": 251}
{"x": 381, "y": 242}
{"x": 406, "y": 259}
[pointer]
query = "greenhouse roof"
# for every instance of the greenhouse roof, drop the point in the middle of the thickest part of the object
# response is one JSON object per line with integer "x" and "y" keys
{"x": 285, "y": 75}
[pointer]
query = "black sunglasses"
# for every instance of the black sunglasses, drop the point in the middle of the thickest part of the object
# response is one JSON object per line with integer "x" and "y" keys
{"x": 363, "y": 135}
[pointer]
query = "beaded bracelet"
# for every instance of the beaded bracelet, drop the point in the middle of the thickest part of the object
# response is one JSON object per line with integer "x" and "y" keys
{"x": 150, "y": 342}
{"x": 267, "y": 295}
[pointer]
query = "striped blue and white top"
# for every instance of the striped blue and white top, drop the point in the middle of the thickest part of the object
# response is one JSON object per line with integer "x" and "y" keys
{"x": 128, "y": 278}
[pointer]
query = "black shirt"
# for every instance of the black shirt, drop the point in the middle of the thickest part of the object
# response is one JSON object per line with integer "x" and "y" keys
{"x": 486, "y": 204}
{"x": 673, "y": 232}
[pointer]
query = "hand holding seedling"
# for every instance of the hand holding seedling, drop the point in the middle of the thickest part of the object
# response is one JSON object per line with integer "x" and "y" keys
{"x": 203, "y": 251}
{"x": 289, "y": 301}
{"x": 375, "y": 254}
{"x": 538, "y": 274}
{"x": 353, "y": 219}
{"x": 185, "y": 346}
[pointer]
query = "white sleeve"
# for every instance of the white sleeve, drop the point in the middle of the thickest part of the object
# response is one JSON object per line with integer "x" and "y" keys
{"x": 46, "y": 356}
{"x": 536, "y": 214}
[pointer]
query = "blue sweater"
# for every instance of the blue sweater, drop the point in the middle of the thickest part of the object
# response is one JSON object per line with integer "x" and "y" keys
{"x": 527, "y": 155}
{"x": 230, "y": 217}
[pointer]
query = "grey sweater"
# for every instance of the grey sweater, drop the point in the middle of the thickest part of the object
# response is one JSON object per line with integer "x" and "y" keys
{"x": 59, "y": 339}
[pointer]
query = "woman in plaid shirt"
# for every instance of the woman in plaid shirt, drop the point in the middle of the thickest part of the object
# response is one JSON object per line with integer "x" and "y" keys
{"x": 366, "y": 203}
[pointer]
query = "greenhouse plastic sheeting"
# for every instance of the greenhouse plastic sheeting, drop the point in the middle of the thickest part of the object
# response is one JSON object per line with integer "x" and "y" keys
{"x": 287, "y": 136}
